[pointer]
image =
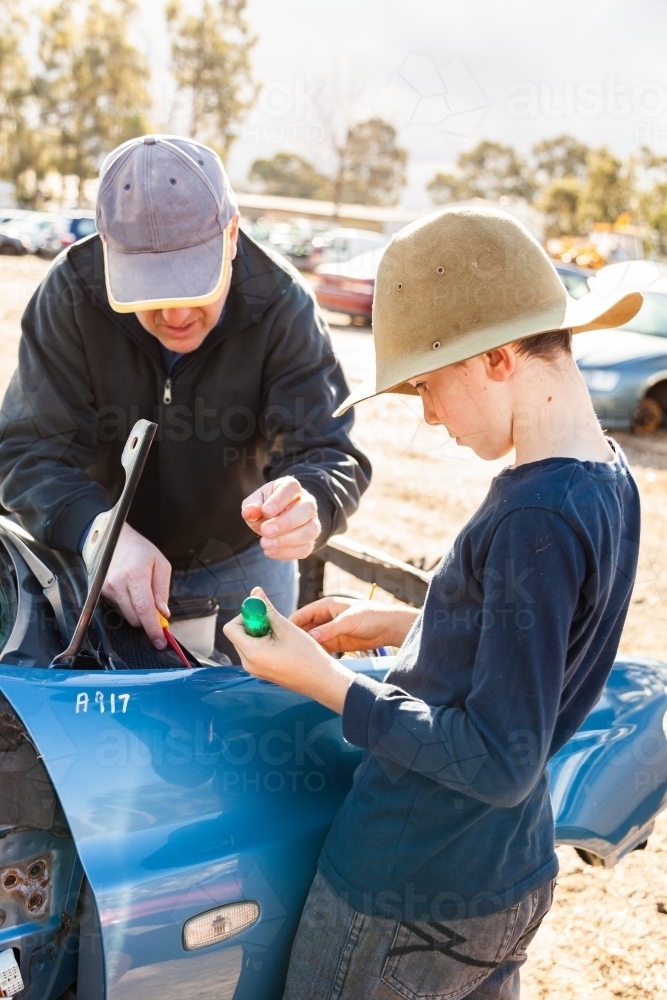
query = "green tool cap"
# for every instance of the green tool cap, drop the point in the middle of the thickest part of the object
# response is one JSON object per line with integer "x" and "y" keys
{"x": 255, "y": 617}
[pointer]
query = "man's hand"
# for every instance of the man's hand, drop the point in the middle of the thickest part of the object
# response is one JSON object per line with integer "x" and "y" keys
{"x": 285, "y": 517}
{"x": 344, "y": 625}
{"x": 138, "y": 583}
{"x": 289, "y": 657}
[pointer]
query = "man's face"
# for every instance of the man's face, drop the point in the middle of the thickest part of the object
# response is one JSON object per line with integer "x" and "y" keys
{"x": 184, "y": 330}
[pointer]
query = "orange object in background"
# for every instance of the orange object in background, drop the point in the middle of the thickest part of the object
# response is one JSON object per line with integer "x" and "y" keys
{"x": 607, "y": 243}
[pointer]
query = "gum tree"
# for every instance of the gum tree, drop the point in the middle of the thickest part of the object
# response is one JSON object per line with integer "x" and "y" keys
{"x": 19, "y": 142}
{"x": 290, "y": 175}
{"x": 490, "y": 170}
{"x": 91, "y": 89}
{"x": 210, "y": 55}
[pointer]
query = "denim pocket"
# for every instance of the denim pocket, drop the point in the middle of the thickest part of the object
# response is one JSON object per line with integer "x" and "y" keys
{"x": 443, "y": 961}
{"x": 542, "y": 900}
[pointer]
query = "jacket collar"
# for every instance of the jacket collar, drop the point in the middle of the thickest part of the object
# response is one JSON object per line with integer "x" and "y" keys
{"x": 257, "y": 282}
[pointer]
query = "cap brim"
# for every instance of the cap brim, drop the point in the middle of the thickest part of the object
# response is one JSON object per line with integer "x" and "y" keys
{"x": 592, "y": 312}
{"x": 171, "y": 279}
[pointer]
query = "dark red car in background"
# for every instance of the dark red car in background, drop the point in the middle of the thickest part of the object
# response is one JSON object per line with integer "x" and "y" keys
{"x": 348, "y": 287}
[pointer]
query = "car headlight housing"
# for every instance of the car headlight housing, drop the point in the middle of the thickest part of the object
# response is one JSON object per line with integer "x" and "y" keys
{"x": 600, "y": 379}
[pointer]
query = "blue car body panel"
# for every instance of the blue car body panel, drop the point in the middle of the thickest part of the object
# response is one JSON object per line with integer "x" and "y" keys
{"x": 186, "y": 790}
{"x": 609, "y": 781}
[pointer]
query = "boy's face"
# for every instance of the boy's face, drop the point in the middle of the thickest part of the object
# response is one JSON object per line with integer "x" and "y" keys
{"x": 473, "y": 401}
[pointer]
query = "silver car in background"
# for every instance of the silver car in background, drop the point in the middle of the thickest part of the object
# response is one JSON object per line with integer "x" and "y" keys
{"x": 625, "y": 369}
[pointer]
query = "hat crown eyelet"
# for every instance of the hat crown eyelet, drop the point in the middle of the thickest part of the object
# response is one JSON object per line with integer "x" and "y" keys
{"x": 440, "y": 270}
{"x": 399, "y": 285}
{"x": 436, "y": 345}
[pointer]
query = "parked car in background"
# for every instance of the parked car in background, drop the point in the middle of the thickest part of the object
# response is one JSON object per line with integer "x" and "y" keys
{"x": 68, "y": 228}
{"x": 625, "y": 369}
{"x": 293, "y": 239}
{"x": 10, "y": 241}
{"x": 13, "y": 240}
{"x": 339, "y": 245}
{"x": 9, "y": 215}
{"x": 575, "y": 279}
{"x": 309, "y": 244}
{"x": 35, "y": 229}
{"x": 348, "y": 287}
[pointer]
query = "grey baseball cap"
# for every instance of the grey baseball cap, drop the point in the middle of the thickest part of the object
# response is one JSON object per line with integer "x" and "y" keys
{"x": 163, "y": 211}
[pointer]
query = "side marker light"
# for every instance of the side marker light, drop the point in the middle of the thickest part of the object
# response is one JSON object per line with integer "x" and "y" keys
{"x": 219, "y": 924}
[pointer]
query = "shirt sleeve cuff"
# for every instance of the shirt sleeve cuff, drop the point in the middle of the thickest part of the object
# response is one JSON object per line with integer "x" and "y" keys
{"x": 84, "y": 536}
{"x": 325, "y": 509}
{"x": 359, "y": 702}
{"x": 74, "y": 519}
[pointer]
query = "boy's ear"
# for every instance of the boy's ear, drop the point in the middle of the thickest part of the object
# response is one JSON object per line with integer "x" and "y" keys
{"x": 500, "y": 363}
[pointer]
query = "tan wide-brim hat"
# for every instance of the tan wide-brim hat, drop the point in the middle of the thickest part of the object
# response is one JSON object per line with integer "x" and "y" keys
{"x": 465, "y": 281}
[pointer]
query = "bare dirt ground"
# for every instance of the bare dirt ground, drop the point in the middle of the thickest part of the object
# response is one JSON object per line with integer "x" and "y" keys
{"x": 606, "y": 936}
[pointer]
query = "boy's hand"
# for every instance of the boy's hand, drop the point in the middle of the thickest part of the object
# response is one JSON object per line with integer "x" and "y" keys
{"x": 284, "y": 515}
{"x": 290, "y": 658}
{"x": 344, "y": 625}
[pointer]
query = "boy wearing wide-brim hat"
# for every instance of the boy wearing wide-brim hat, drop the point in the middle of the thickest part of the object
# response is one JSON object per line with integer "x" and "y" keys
{"x": 440, "y": 864}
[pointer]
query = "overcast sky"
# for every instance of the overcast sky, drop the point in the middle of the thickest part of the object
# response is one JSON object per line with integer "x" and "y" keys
{"x": 447, "y": 74}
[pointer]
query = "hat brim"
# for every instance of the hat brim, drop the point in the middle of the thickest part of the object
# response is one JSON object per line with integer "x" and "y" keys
{"x": 579, "y": 315}
{"x": 171, "y": 279}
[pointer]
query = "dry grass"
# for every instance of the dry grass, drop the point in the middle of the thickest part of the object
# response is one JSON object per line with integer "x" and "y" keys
{"x": 605, "y": 936}
{"x": 19, "y": 276}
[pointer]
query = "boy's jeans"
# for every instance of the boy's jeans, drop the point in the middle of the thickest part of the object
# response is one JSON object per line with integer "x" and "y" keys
{"x": 340, "y": 954}
{"x": 231, "y": 581}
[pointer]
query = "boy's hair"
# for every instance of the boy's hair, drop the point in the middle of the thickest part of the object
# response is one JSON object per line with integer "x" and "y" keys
{"x": 549, "y": 347}
{"x": 546, "y": 346}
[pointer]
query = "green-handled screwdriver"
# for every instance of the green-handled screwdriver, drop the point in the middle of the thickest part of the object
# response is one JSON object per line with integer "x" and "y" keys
{"x": 255, "y": 617}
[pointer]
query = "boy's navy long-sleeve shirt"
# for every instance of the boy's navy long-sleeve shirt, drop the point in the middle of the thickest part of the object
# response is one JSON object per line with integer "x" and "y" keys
{"x": 449, "y": 814}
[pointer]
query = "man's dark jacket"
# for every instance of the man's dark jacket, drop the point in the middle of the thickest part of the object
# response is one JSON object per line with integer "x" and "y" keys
{"x": 252, "y": 403}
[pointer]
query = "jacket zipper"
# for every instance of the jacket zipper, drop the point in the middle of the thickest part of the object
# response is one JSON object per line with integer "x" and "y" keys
{"x": 166, "y": 395}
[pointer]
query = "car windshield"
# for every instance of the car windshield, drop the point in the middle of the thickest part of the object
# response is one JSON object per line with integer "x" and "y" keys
{"x": 575, "y": 283}
{"x": 85, "y": 227}
{"x": 652, "y": 317}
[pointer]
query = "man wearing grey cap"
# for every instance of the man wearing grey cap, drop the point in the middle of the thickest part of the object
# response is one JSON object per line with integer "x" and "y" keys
{"x": 172, "y": 314}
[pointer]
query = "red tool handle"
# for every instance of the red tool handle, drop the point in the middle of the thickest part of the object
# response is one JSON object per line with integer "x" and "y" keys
{"x": 176, "y": 648}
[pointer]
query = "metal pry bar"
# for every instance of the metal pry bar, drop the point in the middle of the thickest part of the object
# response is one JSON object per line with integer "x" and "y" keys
{"x": 104, "y": 532}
